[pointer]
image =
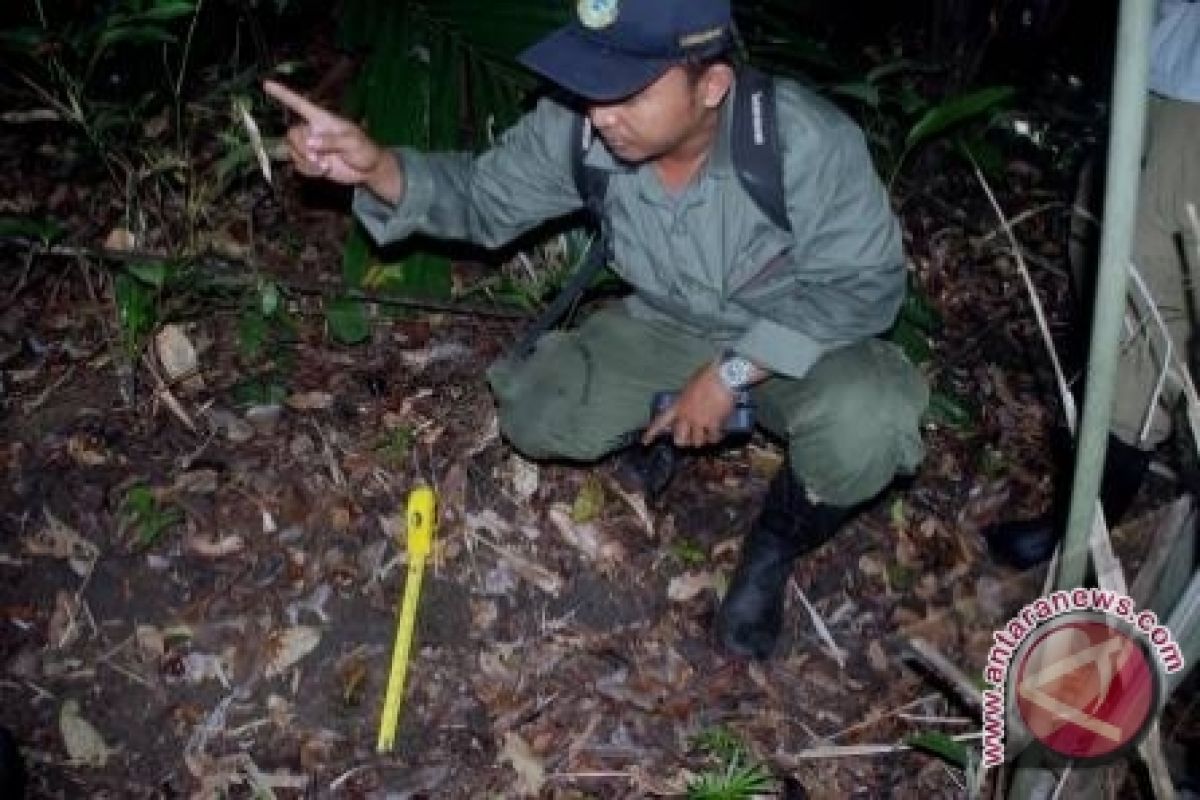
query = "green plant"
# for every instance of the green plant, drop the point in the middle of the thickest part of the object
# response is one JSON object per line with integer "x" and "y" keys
{"x": 265, "y": 332}
{"x": 137, "y": 291}
{"x": 690, "y": 553}
{"x": 61, "y": 60}
{"x": 898, "y": 117}
{"x": 734, "y": 781}
{"x": 735, "y": 776}
{"x": 956, "y": 755}
{"x": 437, "y": 76}
{"x": 394, "y": 448}
{"x": 142, "y": 512}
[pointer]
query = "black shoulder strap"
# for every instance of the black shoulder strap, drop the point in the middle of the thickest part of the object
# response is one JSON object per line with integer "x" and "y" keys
{"x": 757, "y": 158}
{"x": 592, "y": 184}
{"x": 755, "y": 147}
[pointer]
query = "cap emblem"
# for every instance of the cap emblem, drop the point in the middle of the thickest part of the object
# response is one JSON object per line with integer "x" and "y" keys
{"x": 596, "y": 14}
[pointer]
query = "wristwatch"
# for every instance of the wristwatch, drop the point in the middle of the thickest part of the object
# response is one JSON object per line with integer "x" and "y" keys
{"x": 736, "y": 372}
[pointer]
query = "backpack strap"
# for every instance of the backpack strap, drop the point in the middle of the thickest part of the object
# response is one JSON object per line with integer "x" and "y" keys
{"x": 592, "y": 184}
{"x": 755, "y": 147}
{"x": 757, "y": 159}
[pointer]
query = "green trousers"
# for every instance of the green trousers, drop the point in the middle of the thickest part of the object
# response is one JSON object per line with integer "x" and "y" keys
{"x": 851, "y": 424}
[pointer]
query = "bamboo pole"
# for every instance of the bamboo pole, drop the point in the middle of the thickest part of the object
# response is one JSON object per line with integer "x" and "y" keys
{"x": 1120, "y": 202}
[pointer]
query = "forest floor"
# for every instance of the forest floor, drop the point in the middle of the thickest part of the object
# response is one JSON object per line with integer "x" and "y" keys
{"x": 213, "y": 578}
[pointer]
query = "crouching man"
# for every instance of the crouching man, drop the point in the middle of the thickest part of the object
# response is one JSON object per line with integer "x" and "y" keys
{"x": 726, "y": 299}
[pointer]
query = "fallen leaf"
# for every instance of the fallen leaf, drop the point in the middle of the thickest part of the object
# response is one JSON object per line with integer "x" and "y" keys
{"x": 225, "y": 546}
{"x": 310, "y": 401}
{"x": 870, "y": 566}
{"x": 150, "y": 641}
{"x": 589, "y": 501}
{"x": 524, "y": 478}
{"x": 531, "y": 774}
{"x": 58, "y": 540}
{"x": 63, "y": 630}
{"x": 200, "y": 667}
{"x": 255, "y": 137}
{"x": 288, "y": 646}
{"x": 443, "y": 351}
{"x": 84, "y": 743}
{"x": 88, "y": 450}
{"x": 687, "y": 586}
{"x": 280, "y": 711}
{"x": 583, "y": 536}
{"x": 197, "y": 481}
{"x": 120, "y": 239}
{"x": 878, "y": 659}
{"x": 178, "y": 357}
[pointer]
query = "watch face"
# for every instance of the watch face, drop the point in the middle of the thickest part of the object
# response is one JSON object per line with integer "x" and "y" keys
{"x": 735, "y": 372}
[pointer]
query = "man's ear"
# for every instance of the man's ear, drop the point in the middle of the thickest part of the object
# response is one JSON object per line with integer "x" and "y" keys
{"x": 715, "y": 84}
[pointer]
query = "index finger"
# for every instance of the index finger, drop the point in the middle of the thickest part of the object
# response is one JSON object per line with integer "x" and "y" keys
{"x": 311, "y": 112}
{"x": 660, "y": 424}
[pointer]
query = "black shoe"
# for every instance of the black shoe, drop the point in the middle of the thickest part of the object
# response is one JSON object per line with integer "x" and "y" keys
{"x": 1027, "y": 543}
{"x": 790, "y": 525}
{"x": 648, "y": 468}
{"x": 12, "y": 769}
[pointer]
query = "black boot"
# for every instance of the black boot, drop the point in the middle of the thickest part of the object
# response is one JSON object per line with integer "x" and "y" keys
{"x": 648, "y": 468}
{"x": 790, "y": 525}
{"x": 12, "y": 769}
{"x": 1026, "y": 543}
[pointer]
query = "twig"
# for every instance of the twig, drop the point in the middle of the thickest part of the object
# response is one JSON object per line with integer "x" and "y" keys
{"x": 838, "y": 654}
{"x": 33, "y": 115}
{"x": 37, "y": 402}
{"x": 1067, "y": 398}
{"x": 237, "y": 268}
{"x": 337, "y": 782}
{"x": 928, "y": 655}
{"x": 935, "y": 720}
{"x": 128, "y": 673}
{"x": 1022, "y": 217}
{"x": 844, "y": 750}
{"x": 164, "y": 391}
{"x": 1152, "y": 307}
{"x": 1062, "y": 782}
{"x": 875, "y": 720}
{"x": 539, "y": 576}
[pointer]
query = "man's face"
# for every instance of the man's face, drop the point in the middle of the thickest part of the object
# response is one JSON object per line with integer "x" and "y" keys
{"x": 656, "y": 120}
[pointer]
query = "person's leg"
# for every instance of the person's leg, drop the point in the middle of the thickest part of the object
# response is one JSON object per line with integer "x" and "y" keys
{"x": 12, "y": 768}
{"x": 850, "y": 425}
{"x": 1166, "y": 259}
{"x": 1166, "y": 263}
{"x": 581, "y": 392}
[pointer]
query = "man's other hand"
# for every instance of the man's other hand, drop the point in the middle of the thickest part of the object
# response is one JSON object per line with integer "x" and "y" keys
{"x": 697, "y": 417}
{"x": 325, "y": 145}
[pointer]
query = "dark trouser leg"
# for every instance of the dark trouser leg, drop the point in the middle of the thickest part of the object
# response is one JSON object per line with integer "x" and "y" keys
{"x": 851, "y": 424}
{"x": 12, "y": 769}
{"x": 582, "y": 391}
{"x": 1026, "y": 543}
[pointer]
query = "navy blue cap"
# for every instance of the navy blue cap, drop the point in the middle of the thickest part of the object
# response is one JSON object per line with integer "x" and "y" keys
{"x": 616, "y": 48}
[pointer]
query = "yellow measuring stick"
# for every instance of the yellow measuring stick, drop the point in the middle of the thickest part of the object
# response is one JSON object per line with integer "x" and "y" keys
{"x": 422, "y": 507}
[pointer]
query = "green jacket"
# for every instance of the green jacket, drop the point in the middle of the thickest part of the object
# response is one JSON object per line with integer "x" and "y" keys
{"x": 706, "y": 259}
